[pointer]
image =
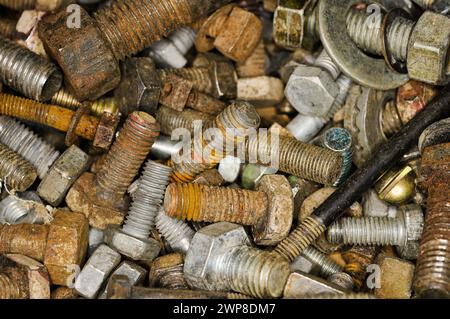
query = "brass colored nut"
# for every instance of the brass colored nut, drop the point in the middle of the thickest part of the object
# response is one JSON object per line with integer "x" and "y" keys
{"x": 63, "y": 173}
{"x": 67, "y": 244}
{"x": 82, "y": 198}
{"x": 428, "y": 49}
{"x": 396, "y": 278}
{"x": 89, "y": 66}
{"x": 106, "y": 130}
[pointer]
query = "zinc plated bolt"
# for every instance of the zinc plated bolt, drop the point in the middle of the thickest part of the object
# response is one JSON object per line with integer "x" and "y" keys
{"x": 15, "y": 171}
{"x": 403, "y": 231}
{"x": 327, "y": 266}
{"x": 177, "y": 232}
{"x": 30, "y": 146}
{"x": 27, "y": 72}
{"x": 15, "y": 210}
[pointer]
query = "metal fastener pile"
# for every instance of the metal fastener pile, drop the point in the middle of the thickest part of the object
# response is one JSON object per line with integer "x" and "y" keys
{"x": 224, "y": 149}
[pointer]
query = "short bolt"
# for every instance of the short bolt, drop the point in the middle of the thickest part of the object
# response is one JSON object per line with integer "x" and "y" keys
{"x": 15, "y": 210}
{"x": 167, "y": 272}
{"x": 27, "y": 72}
{"x": 177, "y": 232}
{"x": 15, "y": 171}
{"x": 327, "y": 266}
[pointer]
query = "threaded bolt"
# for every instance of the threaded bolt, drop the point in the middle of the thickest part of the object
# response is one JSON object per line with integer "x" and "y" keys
{"x": 167, "y": 272}
{"x": 46, "y": 114}
{"x": 14, "y": 210}
{"x": 391, "y": 121}
{"x": 30, "y": 146}
{"x": 177, "y": 233}
{"x": 16, "y": 172}
{"x": 131, "y": 26}
{"x": 183, "y": 39}
{"x": 25, "y": 239}
{"x": 342, "y": 279}
{"x": 325, "y": 62}
{"x": 147, "y": 200}
{"x": 10, "y": 288}
{"x": 344, "y": 83}
{"x": 7, "y": 27}
{"x": 327, "y": 266}
{"x": 200, "y": 77}
{"x": 195, "y": 202}
{"x": 205, "y": 103}
{"x": 18, "y": 5}
{"x": 126, "y": 155}
{"x": 27, "y": 72}
{"x": 240, "y": 117}
{"x": 170, "y": 119}
{"x": 300, "y": 159}
{"x": 340, "y": 140}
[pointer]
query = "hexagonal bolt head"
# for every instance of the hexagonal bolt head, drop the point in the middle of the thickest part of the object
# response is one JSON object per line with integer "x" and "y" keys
{"x": 132, "y": 247}
{"x": 135, "y": 273}
{"x": 414, "y": 223}
{"x": 276, "y": 223}
{"x": 139, "y": 88}
{"x": 428, "y": 49}
{"x": 89, "y": 66}
{"x": 302, "y": 285}
{"x": 106, "y": 130}
{"x": 67, "y": 243}
{"x": 261, "y": 90}
{"x": 311, "y": 90}
{"x": 35, "y": 274}
{"x": 208, "y": 244}
{"x": 288, "y": 26}
{"x": 63, "y": 173}
{"x": 96, "y": 270}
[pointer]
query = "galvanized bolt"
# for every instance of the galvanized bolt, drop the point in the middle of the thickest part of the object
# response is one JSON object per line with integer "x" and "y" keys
{"x": 177, "y": 233}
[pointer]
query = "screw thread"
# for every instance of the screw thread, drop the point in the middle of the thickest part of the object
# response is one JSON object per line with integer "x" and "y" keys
{"x": 325, "y": 62}
{"x": 7, "y": 26}
{"x": 253, "y": 272}
{"x": 255, "y": 65}
{"x": 312, "y": 25}
{"x": 344, "y": 83}
{"x": 170, "y": 119}
{"x": 367, "y": 34}
{"x": 327, "y": 266}
{"x": 14, "y": 170}
{"x": 177, "y": 233}
{"x": 25, "y": 239}
{"x": 340, "y": 140}
{"x": 46, "y": 114}
{"x": 173, "y": 278}
{"x": 351, "y": 295}
{"x": 298, "y": 240}
{"x": 18, "y": 5}
{"x": 66, "y": 99}
{"x": 198, "y": 202}
{"x": 234, "y": 295}
{"x": 205, "y": 103}
{"x": 391, "y": 121}
{"x": 30, "y": 146}
{"x": 183, "y": 39}
{"x": 432, "y": 270}
{"x": 239, "y": 117}
{"x": 199, "y": 76}
{"x": 368, "y": 231}
{"x": 304, "y": 160}
{"x": 12, "y": 210}
{"x": 130, "y": 26}
{"x": 127, "y": 154}
{"x": 147, "y": 200}
{"x": 27, "y": 72}
{"x": 9, "y": 288}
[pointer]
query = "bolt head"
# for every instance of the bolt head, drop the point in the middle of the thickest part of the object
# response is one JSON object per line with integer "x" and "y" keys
{"x": 106, "y": 130}
{"x": 288, "y": 26}
{"x": 414, "y": 223}
{"x": 311, "y": 90}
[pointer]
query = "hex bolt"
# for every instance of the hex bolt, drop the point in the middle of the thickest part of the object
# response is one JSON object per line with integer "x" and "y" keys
{"x": 167, "y": 272}
{"x": 164, "y": 147}
{"x": 327, "y": 266}
{"x": 170, "y": 119}
{"x": 60, "y": 118}
{"x": 221, "y": 259}
{"x": 27, "y": 72}
{"x": 15, "y": 171}
{"x": 240, "y": 116}
{"x": 177, "y": 233}
{"x": 97, "y": 107}
{"x": 126, "y": 155}
{"x": 7, "y": 26}
{"x": 403, "y": 231}
{"x": 15, "y": 210}
{"x": 297, "y": 158}
{"x": 339, "y": 140}
{"x": 30, "y": 146}
{"x": 255, "y": 64}
{"x": 432, "y": 272}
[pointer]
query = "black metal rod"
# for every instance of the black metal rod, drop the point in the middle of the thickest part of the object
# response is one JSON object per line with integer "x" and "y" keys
{"x": 386, "y": 156}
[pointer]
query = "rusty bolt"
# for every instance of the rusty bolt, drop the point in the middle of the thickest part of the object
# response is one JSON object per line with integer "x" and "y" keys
{"x": 17, "y": 173}
{"x": 167, "y": 272}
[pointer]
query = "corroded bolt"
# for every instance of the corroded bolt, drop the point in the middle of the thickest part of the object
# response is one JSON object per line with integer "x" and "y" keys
{"x": 167, "y": 272}
{"x": 101, "y": 197}
{"x": 170, "y": 119}
{"x": 15, "y": 171}
{"x": 220, "y": 258}
{"x": 21, "y": 5}
{"x": 357, "y": 259}
{"x": 27, "y": 72}
{"x": 100, "y": 131}
{"x": 297, "y": 158}
{"x": 48, "y": 243}
{"x": 432, "y": 271}
{"x": 255, "y": 64}
{"x": 7, "y": 26}
{"x": 403, "y": 231}
{"x": 269, "y": 209}
{"x": 238, "y": 117}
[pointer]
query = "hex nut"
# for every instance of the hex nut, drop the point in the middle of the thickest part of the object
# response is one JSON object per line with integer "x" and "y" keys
{"x": 140, "y": 86}
{"x": 135, "y": 273}
{"x": 89, "y": 66}
{"x": 132, "y": 247}
{"x": 311, "y": 90}
{"x": 414, "y": 222}
{"x": 36, "y": 274}
{"x": 302, "y": 285}
{"x": 209, "y": 243}
{"x": 96, "y": 271}
{"x": 288, "y": 26}
{"x": 82, "y": 198}
{"x": 277, "y": 222}
{"x": 396, "y": 278}
{"x": 106, "y": 130}
{"x": 428, "y": 49}
{"x": 67, "y": 243}
{"x": 261, "y": 90}
{"x": 240, "y": 35}
{"x": 175, "y": 91}
{"x": 63, "y": 173}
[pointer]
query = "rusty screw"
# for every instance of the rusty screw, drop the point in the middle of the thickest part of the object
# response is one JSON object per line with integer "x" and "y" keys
{"x": 16, "y": 172}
